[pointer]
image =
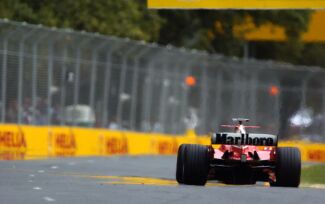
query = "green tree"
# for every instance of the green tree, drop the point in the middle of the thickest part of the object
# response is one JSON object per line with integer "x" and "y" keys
{"x": 214, "y": 30}
{"x": 122, "y": 18}
{"x": 16, "y": 10}
{"x": 209, "y": 30}
{"x": 313, "y": 54}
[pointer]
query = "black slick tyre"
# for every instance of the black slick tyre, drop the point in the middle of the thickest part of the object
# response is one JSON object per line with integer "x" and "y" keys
{"x": 196, "y": 164}
{"x": 180, "y": 164}
{"x": 288, "y": 167}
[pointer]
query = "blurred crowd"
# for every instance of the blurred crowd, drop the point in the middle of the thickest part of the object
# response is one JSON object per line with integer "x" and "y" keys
{"x": 37, "y": 115}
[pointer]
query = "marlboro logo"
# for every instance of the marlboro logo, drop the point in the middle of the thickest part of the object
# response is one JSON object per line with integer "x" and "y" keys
{"x": 245, "y": 139}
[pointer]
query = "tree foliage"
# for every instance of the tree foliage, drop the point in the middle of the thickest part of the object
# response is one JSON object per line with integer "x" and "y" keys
{"x": 215, "y": 30}
{"x": 123, "y": 18}
{"x": 209, "y": 30}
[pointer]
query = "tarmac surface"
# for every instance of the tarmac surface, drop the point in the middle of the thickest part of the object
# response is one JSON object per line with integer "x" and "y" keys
{"x": 126, "y": 179}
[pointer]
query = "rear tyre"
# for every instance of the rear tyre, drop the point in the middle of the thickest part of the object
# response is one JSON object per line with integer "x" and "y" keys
{"x": 288, "y": 167}
{"x": 196, "y": 164}
{"x": 180, "y": 164}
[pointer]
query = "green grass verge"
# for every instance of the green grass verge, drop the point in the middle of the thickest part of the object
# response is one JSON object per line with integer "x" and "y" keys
{"x": 314, "y": 174}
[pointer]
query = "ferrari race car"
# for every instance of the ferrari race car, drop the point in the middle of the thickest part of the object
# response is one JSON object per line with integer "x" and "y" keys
{"x": 240, "y": 158}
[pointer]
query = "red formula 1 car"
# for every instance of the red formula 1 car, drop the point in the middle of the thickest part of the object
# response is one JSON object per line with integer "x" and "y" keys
{"x": 241, "y": 158}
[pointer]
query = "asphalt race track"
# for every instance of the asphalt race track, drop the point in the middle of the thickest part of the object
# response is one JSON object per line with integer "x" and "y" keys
{"x": 145, "y": 179}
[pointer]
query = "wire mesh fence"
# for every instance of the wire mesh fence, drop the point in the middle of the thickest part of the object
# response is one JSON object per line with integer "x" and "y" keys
{"x": 60, "y": 77}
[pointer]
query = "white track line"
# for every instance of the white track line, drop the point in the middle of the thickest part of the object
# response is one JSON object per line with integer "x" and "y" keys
{"x": 48, "y": 199}
{"x": 319, "y": 186}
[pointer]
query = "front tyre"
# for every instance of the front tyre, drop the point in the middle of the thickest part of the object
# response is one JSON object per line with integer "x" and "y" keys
{"x": 288, "y": 167}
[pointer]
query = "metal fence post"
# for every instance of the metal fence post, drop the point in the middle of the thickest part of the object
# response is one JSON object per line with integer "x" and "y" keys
{"x": 204, "y": 98}
{"x": 176, "y": 116}
{"x": 63, "y": 82}
{"x": 135, "y": 82}
{"x": 235, "y": 91}
{"x": 93, "y": 77}
{"x": 76, "y": 82}
{"x": 147, "y": 93}
{"x": 253, "y": 96}
{"x": 20, "y": 74}
{"x": 4, "y": 75}
{"x": 323, "y": 115}
{"x": 50, "y": 81}
{"x": 277, "y": 110}
{"x": 163, "y": 97}
{"x": 219, "y": 104}
{"x": 184, "y": 99}
{"x": 77, "y": 70}
{"x": 34, "y": 75}
{"x": 119, "y": 114}
{"x": 303, "y": 95}
{"x": 4, "y": 80}
{"x": 106, "y": 83}
{"x": 243, "y": 84}
{"x": 50, "y": 59}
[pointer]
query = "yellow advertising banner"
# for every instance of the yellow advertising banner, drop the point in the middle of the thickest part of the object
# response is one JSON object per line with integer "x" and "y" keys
{"x": 19, "y": 142}
{"x": 236, "y": 4}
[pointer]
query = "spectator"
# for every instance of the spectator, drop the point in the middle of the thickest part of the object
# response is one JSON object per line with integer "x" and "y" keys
{"x": 113, "y": 125}
{"x": 12, "y": 112}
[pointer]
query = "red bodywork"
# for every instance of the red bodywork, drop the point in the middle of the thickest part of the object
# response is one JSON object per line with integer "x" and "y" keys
{"x": 264, "y": 153}
{"x": 235, "y": 158}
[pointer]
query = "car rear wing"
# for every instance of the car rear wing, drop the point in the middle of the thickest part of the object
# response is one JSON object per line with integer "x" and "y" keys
{"x": 240, "y": 119}
{"x": 228, "y": 138}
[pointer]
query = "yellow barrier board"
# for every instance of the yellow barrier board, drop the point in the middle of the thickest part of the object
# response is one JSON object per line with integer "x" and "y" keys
{"x": 309, "y": 151}
{"x": 62, "y": 142}
{"x": 37, "y": 145}
{"x": 32, "y": 142}
{"x": 113, "y": 142}
{"x": 13, "y": 144}
{"x": 236, "y": 4}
